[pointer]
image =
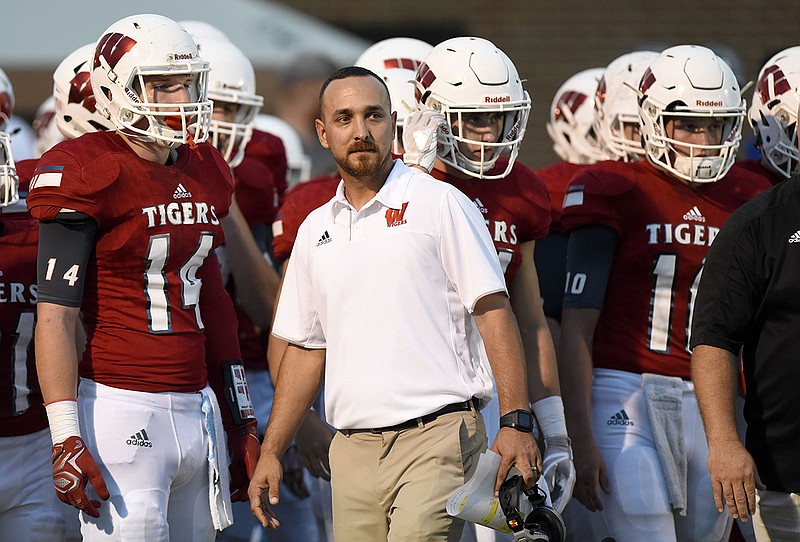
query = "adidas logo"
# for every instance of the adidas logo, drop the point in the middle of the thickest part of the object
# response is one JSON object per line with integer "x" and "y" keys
{"x": 479, "y": 204}
{"x": 795, "y": 238}
{"x": 140, "y": 439}
{"x": 326, "y": 238}
{"x": 620, "y": 418}
{"x": 694, "y": 214}
{"x": 181, "y": 192}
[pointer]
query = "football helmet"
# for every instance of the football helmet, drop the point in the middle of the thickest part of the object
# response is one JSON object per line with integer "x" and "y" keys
{"x": 231, "y": 80}
{"x": 202, "y": 31}
{"x": 75, "y": 111}
{"x": 571, "y": 125}
{"x": 469, "y": 75}
{"x": 130, "y": 51}
{"x": 45, "y": 127}
{"x": 616, "y": 105}
{"x": 298, "y": 163}
{"x": 396, "y": 60}
{"x": 690, "y": 81}
{"x": 8, "y": 172}
{"x": 773, "y": 113}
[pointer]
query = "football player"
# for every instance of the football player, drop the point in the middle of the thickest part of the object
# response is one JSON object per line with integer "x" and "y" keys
{"x": 475, "y": 87}
{"x": 298, "y": 164}
{"x": 30, "y": 510}
{"x": 129, "y": 220}
{"x": 773, "y": 116}
{"x": 639, "y": 233}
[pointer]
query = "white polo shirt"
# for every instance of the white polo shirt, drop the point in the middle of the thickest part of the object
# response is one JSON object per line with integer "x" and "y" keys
{"x": 388, "y": 291}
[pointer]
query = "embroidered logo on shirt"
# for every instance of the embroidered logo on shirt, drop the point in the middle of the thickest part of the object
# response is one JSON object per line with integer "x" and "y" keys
{"x": 140, "y": 439}
{"x": 326, "y": 238}
{"x": 394, "y": 217}
{"x": 795, "y": 238}
{"x": 620, "y": 418}
{"x": 694, "y": 214}
{"x": 181, "y": 192}
{"x": 479, "y": 204}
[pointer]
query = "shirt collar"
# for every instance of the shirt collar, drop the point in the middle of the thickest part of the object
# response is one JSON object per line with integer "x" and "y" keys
{"x": 390, "y": 195}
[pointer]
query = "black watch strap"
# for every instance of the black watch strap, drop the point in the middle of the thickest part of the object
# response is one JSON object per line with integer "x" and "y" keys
{"x": 521, "y": 420}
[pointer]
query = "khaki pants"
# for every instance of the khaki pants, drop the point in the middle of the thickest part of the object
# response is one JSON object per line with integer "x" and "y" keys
{"x": 394, "y": 486}
{"x": 777, "y": 517}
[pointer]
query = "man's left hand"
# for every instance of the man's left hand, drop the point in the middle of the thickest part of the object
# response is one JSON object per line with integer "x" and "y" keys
{"x": 517, "y": 449}
{"x": 244, "y": 448}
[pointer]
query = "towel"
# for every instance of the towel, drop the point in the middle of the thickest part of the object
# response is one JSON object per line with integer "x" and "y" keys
{"x": 219, "y": 482}
{"x": 664, "y": 398}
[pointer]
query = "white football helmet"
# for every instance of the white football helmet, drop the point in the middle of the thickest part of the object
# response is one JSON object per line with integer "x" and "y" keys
{"x": 150, "y": 45}
{"x": 690, "y": 81}
{"x": 617, "y": 105}
{"x": 75, "y": 110}
{"x": 202, "y": 31}
{"x": 231, "y": 80}
{"x": 396, "y": 60}
{"x": 773, "y": 113}
{"x": 571, "y": 125}
{"x": 45, "y": 127}
{"x": 8, "y": 171}
{"x": 298, "y": 163}
{"x": 471, "y": 75}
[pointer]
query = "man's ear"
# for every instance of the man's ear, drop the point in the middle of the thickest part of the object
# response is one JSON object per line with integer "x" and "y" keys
{"x": 322, "y": 135}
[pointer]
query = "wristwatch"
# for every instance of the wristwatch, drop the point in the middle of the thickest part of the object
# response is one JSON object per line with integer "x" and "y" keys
{"x": 521, "y": 420}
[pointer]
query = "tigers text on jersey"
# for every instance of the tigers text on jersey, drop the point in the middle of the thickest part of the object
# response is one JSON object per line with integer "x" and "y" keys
{"x": 556, "y": 178}
{"x": 516, "y": 209}
{"x": 664, "y": 229}
{"x": 156, "y": 226}
{"x": 21, "y": 409}
{"x": 300, "y": 201}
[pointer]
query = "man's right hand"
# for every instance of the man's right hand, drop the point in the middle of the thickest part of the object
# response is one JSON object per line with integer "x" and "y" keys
{"x": 590, "y": 472}
{"x": 73, "y": 466}
{"x": 265, "y": 489}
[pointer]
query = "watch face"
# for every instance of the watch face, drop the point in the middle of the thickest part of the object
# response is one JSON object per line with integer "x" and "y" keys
{"x": 525, "y": 419}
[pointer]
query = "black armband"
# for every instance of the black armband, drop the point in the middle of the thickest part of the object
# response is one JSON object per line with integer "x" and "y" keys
{"x": 237, "y": 393}
{"x": 65, "y": 245}
{"x": 590, "y": 255}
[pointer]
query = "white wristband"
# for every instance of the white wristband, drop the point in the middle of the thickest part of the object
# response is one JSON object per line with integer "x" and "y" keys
{"x": 63, "y": 418}
{"x": 550, "y": 415}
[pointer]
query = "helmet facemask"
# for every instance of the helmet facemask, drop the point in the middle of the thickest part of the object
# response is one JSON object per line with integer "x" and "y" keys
{"x": 9, "y": 182}
{"x": 230, "y": 137}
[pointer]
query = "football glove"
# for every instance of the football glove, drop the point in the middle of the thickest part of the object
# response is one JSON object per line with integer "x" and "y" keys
{"x": 73, "y": 466}
{"x": 420, "y": 138}
{"x": 244, "y": 449}
{"x": 559, "y": 470}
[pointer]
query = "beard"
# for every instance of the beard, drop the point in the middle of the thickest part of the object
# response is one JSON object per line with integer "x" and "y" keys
{"x": 361, "y": 165}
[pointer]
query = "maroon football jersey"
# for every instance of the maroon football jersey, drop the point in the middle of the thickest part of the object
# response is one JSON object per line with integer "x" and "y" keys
{"x": 664, "y": 229}
{"x": 516, "y": 209}
{"x": 300, "y": 201}
{"x": 755, "y": 166}
{"x": 556, "y": 178}
{"x": 269, "y": 150}
{"x": 255, "y": 190}
{"x": 156, "y": 226}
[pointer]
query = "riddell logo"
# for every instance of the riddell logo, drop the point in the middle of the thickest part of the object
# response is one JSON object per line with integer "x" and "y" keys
{"x": 496, "y": 99}
{"x": 182, "y": 56}
{"x": 708, "y": 103}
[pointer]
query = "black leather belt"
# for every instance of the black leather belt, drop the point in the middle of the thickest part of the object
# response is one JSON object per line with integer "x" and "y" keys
{"x": 472, "y": 404}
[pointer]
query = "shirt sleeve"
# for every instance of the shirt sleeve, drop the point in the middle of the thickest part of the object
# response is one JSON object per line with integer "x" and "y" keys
{"x": 467, "y": 252}
{"x": 729, "y": 290}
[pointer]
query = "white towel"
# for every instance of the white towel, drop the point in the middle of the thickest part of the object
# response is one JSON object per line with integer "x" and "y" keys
{"x": 219, "y": 482}
{"x": 664, "y": 398}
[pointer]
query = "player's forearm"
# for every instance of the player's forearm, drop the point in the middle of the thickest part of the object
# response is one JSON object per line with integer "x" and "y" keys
{"x": 575, "y": 368}
{"x": 56, "y": 354}
{"x": 298, "y": 384}
{"x": 715, "y": 373}
{"x": 256, "y": 281}
{"x": 500, "y": 334}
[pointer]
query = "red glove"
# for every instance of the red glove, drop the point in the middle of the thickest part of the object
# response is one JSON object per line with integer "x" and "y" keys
{"x": 73, "y": 465}
{"x": 244, "y": 449}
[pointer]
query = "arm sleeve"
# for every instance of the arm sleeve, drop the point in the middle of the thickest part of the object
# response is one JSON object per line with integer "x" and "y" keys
{"x": 65, "y": 245}
{"x": 729, "y": 291}
{"x": 590, "y": 256}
